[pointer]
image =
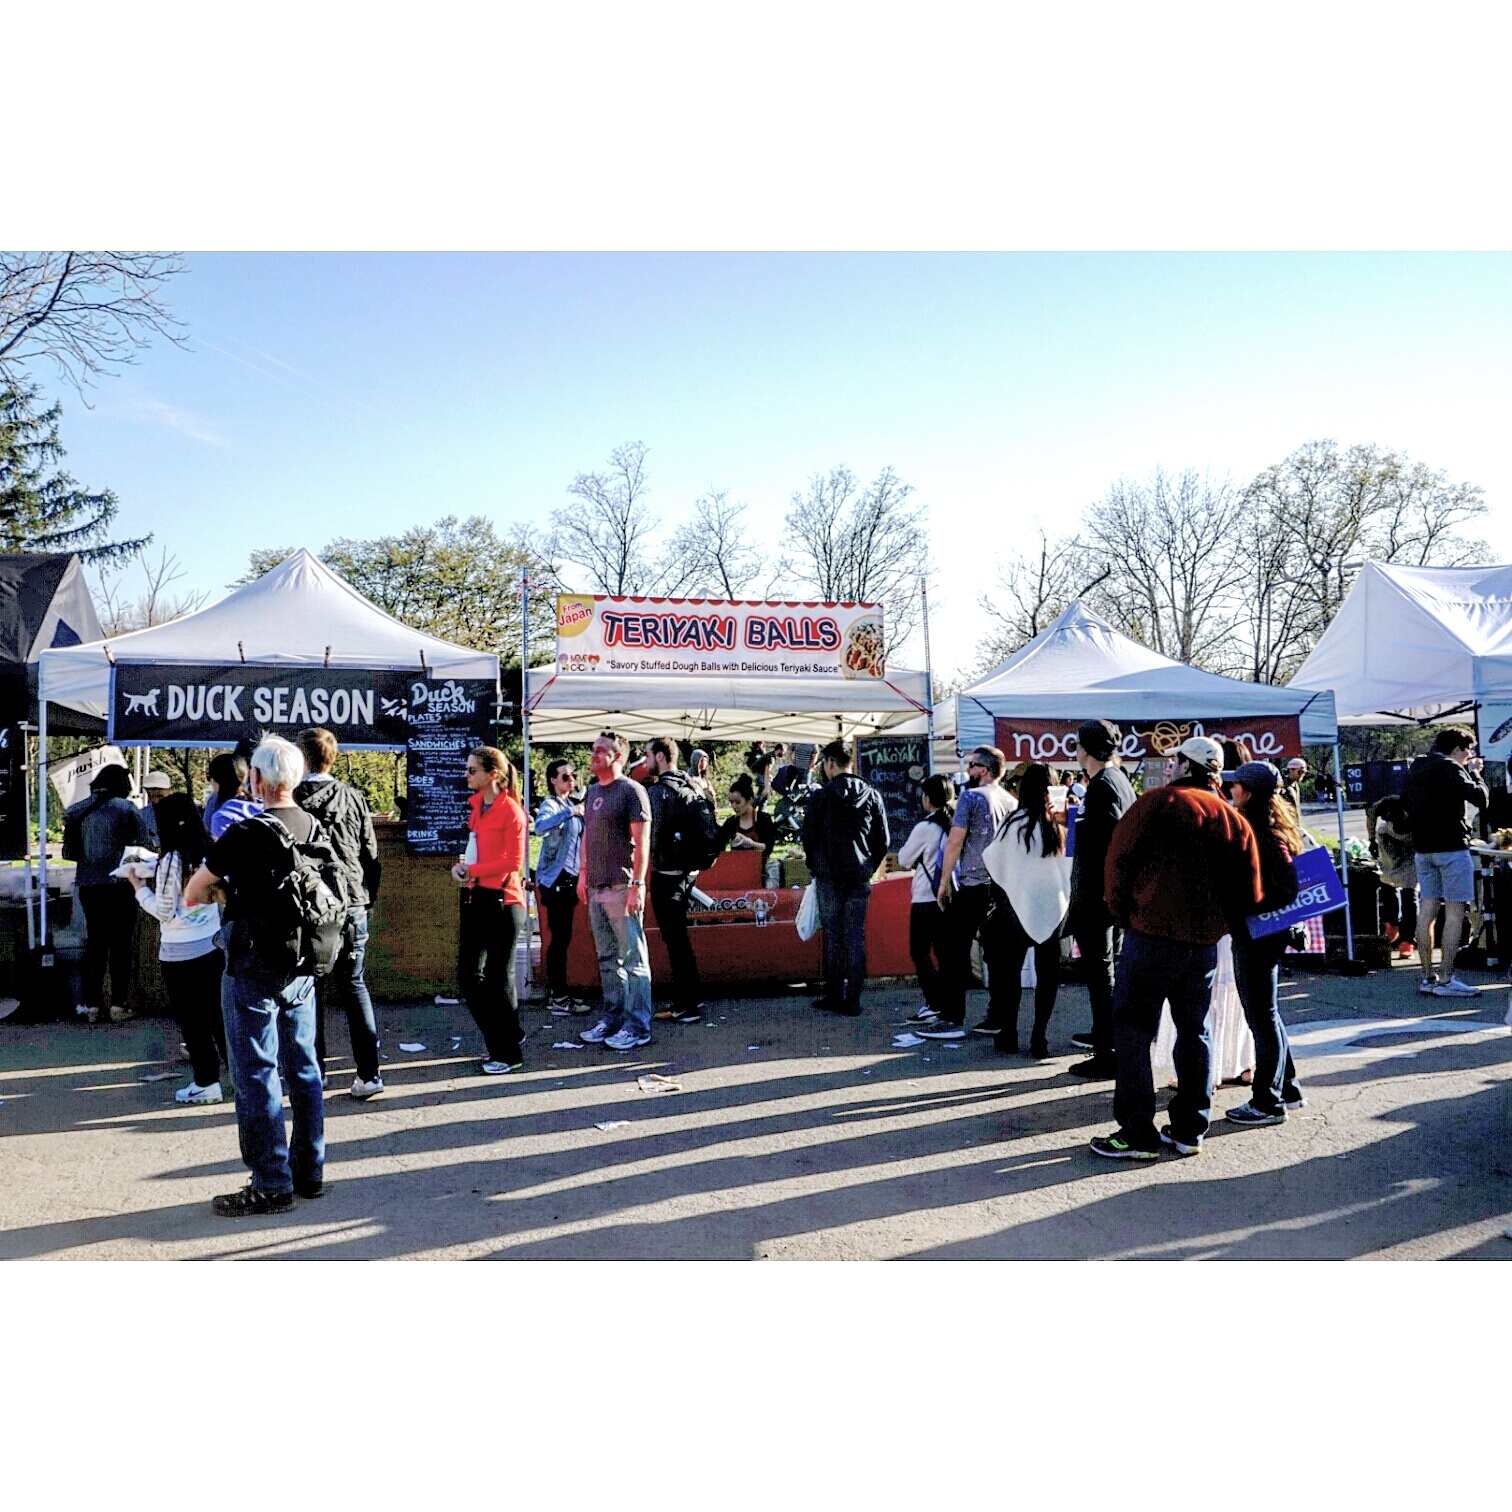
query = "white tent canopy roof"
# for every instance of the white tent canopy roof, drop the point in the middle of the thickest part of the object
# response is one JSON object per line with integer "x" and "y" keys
{"x": 298, "y": 614}
{"x": 566, "y": 707}
{"x": 1416, "y": 641}
{"x": 1080, "y": 667}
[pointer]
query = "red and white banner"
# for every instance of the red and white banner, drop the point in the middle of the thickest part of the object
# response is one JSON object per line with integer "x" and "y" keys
{"x": 1270, "y": 737}
{"x": 600, "y": 633}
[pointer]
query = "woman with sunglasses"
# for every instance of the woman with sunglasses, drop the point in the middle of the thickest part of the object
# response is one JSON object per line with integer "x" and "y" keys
{"x": 559, "y": 821}
{"x": 493, "y": 908}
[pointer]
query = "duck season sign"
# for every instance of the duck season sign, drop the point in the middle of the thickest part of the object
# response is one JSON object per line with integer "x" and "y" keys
{"x": 161, "y": 704}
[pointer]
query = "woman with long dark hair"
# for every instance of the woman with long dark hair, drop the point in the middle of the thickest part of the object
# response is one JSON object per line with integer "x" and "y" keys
{"x": 924, "y": 851}
{"x": 559, "y": 820}
{"x": 493, "y": 907}
{"x": 1257, "y": 962}
{"x": 192, "y": 962}
{"x": 1028, "y": 861}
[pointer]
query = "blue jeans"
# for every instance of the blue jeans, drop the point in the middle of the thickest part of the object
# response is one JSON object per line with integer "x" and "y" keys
{"x": 1257, "y": 975}
{"x": 842, "y": 917}
{"x": 624, "y": 964}
{"x": 346, "y": 987}
{"x": 1153, "y": 971}
{"x": 270, "y": 1043}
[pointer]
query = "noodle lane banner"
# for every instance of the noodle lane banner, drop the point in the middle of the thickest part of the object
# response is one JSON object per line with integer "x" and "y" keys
{"x": 600, "y": 633}
{"x": 160, "y": 704}
{"x": 1270, "y": 737}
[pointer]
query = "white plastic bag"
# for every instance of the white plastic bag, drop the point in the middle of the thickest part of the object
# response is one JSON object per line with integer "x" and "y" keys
{"x": 808, "y": 913}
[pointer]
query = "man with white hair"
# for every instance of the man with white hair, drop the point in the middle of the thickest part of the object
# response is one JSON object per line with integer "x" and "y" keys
{"x": 268, "y": 991}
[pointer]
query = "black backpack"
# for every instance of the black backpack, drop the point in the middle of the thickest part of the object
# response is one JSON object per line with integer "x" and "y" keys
{"x": 298, "y": 930}
{"x": 692, "y": 839}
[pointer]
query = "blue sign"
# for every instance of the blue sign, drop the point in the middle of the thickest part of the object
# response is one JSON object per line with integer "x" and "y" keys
{"x": 1319, "y": 891}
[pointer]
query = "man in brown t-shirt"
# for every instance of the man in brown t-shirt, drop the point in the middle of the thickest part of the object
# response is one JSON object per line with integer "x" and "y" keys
{"x": 612, "y": 883}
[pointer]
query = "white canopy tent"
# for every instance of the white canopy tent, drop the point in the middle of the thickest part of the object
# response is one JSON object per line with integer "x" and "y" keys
{"x": 1080, "y": 667}
{"x": 299, "y": 614}
{"x": 1416, "y": 643}
{"x": 574, "y": 707}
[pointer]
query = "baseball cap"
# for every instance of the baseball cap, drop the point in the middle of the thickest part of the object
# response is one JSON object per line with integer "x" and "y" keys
{"x": 1202, "y": 751}
{"x": 157, "y": 782}
{"x": 1098, "y": 738}
{"x": 1296, "y": 761}
{"x": 1258, "y": 776}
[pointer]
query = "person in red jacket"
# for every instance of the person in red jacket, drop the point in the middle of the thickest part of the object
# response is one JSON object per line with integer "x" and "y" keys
{"x": 1183, "y": 869}
{"x": 493, "y": 908}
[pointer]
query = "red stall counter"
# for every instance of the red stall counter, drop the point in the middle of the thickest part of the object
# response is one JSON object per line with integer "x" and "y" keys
{"x": 749, "y": 933}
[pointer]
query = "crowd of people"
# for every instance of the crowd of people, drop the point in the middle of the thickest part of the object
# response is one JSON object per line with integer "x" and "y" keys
{"x": 263, "y": 895}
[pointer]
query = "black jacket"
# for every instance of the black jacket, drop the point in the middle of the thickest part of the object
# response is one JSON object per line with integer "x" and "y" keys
{"x": 1437, "y": 791}
{"x": 1108, "y": 798}
{"x": 343, "y": 815}
{"x": 670, "y": 792}
{"x": 845, "y": 831}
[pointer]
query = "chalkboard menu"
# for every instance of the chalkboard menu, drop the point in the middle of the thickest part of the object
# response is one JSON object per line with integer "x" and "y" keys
{"x": 12, "y": 797}
{"x": 447, "y": 719}
{"x": 896, "y": 765}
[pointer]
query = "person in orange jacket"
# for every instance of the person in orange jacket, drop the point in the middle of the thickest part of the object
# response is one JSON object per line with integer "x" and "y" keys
{"x": 1183, "y": 868}
{"x": 493, "y": 908}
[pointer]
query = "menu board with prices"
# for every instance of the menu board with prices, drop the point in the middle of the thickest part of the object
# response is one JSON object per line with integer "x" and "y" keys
{"x": 447, "y": 719}
{"x": 896, "y": 765}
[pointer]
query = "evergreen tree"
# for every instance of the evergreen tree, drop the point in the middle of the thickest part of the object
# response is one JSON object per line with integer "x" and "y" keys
{"x": 42, "y": 509}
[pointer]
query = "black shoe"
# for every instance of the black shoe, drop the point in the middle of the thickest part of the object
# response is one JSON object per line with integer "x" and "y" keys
{"x": 1039, "y": 1047}
{"x": 311, "y": 1191}
{"x": 1084, "y": 1042}
{"x": 249, "y": 1202}
{"x": 823, "y": 1005}
{"x": 1006, "y": 1044}
{"x": 1181, "y": 1146}
{"x": 987, "y": 1026}
{"x": 838, "y": 1008}
{"x": 1099, "y": 1068}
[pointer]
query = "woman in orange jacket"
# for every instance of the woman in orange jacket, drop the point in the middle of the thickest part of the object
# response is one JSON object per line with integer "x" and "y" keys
{"x": 493, "y": 907}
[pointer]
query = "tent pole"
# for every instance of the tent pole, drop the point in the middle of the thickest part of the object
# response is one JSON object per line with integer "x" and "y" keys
{"x": 42, "y": 781}
{"x": 1343, "y": 852}
{"x": 928, "y": 681}
{"x": 525, "y": 749}
{"x": 31, "y": 923}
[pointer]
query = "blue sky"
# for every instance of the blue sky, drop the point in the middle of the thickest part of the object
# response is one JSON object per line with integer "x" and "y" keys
{"x": 335, "y": 394}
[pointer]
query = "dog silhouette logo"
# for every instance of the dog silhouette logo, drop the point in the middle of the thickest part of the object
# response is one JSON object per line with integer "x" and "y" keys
{"x": 143, "y": 703}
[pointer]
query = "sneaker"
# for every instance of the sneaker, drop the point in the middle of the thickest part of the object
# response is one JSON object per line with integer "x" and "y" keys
{"x": 122, "y": 1016}
{"x": 664, "y": 1015}
{"x": 560, "y": 1006}
{"x": 1084, "y": 1042}
{"x": 362, "y": 1090}
{"x": 1406, "y": 950}
{"x": 626, "y": 1039}
{"x": 942, "y": 1029}
{"x": 1096, "y": 1069}
{"x": 1252, "y": 1117}
{"x": 1427, "y": 987}
{"x": 249, "y": 1203}
{"x": 1181, "y": 1147}
{"x": 576, "y": 1005}
{"x": 691, "y": 1015}
{"x": 925, "y": 1015}
{"x": 499, "y": 1068}
{"x": 1291, "y": 1101}
{"x": 98, "y": 1015}
{"x": 985, "y": 1027}
{"x": 1455, "y": 988}
{"x": 1117, "y": 1147}
{"x": 596, "y": 1035}
{"x": 311, "y": 1191}
{"x": 194, "y": 1093}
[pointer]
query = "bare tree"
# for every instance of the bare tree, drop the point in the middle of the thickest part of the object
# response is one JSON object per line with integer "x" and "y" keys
{"x": 609, "y": 533}
{"x": 154, "y": 603}
{"x": 863, "y": 545}
{"x": 1032, "y": 589}
{"x": 712, "y": 556}
{"x": 1170, "y": 547}
{"x": 84, "y": 312}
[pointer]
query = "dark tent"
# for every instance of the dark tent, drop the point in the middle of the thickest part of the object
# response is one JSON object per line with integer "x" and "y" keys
{"x": 44, "y": 602}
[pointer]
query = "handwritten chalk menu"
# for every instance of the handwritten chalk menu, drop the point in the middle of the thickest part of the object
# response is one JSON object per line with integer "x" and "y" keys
{"x": 12, "y": 800}
{"x": 447, "y": 718}
{"x": 896, "y": 765}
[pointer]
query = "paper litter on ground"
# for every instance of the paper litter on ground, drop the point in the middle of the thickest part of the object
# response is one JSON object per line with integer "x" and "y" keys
{"x": 568, "y": 1045}
{"x": 906, "y": 1041}
{"x": 655, "y": 1083}
{"x": 446, "y": 1002}
{"x": 152, "y": 1076}
{"x": 411, "y": 1047}
{"x": 753, "y": 1047}
{"x": 614, "y": 1123}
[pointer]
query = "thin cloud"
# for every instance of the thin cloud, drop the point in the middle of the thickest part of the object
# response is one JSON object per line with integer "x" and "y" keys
{"x": 186, "y": 422}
